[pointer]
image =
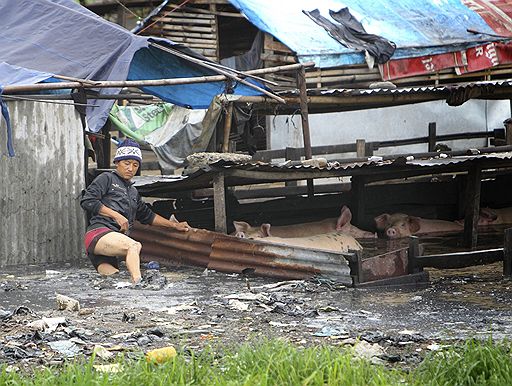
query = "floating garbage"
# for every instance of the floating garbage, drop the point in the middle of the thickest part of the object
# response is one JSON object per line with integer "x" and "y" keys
{"x": 161, "y": 355}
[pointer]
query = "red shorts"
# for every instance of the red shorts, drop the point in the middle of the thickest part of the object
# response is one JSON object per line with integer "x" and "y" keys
{"x": 91, "y": 239}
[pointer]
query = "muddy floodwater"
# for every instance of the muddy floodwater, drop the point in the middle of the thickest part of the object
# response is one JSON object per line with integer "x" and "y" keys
{"x": 197, "y": 308}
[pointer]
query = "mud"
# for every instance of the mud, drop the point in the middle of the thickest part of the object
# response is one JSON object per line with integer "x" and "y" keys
{"x": 195, "y": 309}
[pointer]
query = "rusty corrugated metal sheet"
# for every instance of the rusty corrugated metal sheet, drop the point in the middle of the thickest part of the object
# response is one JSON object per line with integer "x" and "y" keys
{"x": 40, "y": 187}
{"x": 231, "y": 254}
{"x": 384, "y": 266}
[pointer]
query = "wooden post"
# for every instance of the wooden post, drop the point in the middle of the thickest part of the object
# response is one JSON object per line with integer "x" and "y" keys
{"x": 308, "y": 152}
{"x": 293, "y": 154}
{"x": 219, "y": 203}
{"x": 227, "y": 127}
{"x": 472, "y": 206}
{"x": 508, "y": 130}
{"x": 358, "y": 199}
{"x": 360, "y": 148}
{"x": 431, "y": 136}
{"x": 507, "y": 254}
{"x": 412, "y": 254}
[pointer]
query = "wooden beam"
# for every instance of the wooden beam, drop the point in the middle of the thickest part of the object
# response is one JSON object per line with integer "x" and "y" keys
{"x": 306, "y": 135}
{"x": 460, "y": 259}
{"x": 431, "y": 136}
{"x": 473, "y": 188}
{"x": 219, "y": 203}
{"x": 227, "y": 127}
{"x": 360, "y": 148}
{"x": 412, "y": 254}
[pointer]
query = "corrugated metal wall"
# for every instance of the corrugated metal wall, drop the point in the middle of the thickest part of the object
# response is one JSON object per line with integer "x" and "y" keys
{"x": 40, "y": 217}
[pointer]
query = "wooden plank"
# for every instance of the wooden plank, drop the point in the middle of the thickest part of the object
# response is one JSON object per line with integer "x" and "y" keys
{"x": 186, "y": 28}
{"x": 360, "y": 148}
{"x": 219, "y": 203}
{"x": 186, "y": 21}
{"x": 412, "y": 253}
{"x": 507, "y": 254}
{"x": 206, "y": 36}
{"x": 274, "y": 45}
{"x": 460, "y": 259}
{"x": 473, "y": 188}
{"x": 278, "y": 58}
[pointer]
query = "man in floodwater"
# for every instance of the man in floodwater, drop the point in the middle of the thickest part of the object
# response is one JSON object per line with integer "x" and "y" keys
{"x": 114, "y": 204}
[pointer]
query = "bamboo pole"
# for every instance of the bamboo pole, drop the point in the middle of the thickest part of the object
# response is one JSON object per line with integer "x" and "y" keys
{"x": 228, "y": 74}
{"x": 141, "y": 83}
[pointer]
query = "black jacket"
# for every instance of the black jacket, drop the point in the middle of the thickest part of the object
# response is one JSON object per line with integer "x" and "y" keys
{"x": 116, "y": 193}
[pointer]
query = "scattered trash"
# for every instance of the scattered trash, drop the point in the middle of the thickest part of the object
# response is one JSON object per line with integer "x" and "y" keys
{"x": 67, "y": 303}
{"x": 65, "y": 347}
{"x": 153, "y": 265}
{"x": 47, "y": 324}
{"x": 102, "y": 352}
{"x": 434, "y": 347}
{"x": 372, "y": 336}
{"x": 235, "y": 304}
{"x": 128, "y": 318}
{"x": 122, "y": 284}
{"x": 182, "y": 307}
{"x": 51, "y": 273}
{"x": 161, "y": 355}
{"x": 368, "y": 351}
{"x": 86, "y": 311}
{"x": 332, "y": 331}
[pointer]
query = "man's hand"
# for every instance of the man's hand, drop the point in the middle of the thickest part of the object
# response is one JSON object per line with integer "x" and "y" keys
{"x": 172, "y": 223}
{"x": 180, "y": 226}
{"x": 122, "y": 222}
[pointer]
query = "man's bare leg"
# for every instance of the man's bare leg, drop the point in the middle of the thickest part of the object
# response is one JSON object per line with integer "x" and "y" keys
{"x": 107, "y": 269}
{"x": 117, "y": 244}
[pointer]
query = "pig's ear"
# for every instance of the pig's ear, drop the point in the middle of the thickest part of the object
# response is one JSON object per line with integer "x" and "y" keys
{"x": 241, "y": 226}
{"x": 488, "y": 214}
{"x": 414, "y": 224}
{"x": 345, "y": 217}
{"x": 265, "y": 230}
{"x": 381, "y": 221}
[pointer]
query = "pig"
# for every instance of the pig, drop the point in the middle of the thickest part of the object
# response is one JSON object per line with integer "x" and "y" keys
{"x": 341, "y": 225}
{"x": 331, "y": 242}
{"x": 490, "y": 216}
{"x": 399, "y": 225}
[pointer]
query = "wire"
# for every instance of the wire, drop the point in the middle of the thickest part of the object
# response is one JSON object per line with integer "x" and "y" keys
{"x": 164, "y": 15}
{"x": 45, "y": 101}
{"x": 129, "y": 10}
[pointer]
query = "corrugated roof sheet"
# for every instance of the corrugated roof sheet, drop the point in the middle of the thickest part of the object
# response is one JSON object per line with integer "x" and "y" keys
{"x": 201, "y": 178}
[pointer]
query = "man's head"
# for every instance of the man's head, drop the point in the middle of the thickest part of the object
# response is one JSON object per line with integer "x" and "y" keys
{"x": 128, "y": 159}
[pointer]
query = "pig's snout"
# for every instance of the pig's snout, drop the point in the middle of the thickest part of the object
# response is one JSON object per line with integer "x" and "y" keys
{"x": 391, "y": 233}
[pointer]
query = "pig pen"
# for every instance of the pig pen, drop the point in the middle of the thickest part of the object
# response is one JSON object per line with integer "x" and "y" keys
{"x": 449, "y": 188}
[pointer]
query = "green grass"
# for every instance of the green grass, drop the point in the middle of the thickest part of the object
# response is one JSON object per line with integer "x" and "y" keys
{"x": 280, "y": 363}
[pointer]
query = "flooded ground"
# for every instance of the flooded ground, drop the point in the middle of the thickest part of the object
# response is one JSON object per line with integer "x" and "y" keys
{"x": 198, "y": 308}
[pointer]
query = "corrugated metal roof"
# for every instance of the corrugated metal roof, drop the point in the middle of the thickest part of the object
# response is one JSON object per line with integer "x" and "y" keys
{"x": 441, "y": 89}
{"x": 202, "y": 178}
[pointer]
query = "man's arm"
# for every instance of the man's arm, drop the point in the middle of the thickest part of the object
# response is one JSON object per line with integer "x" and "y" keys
{"x": 116, "y": 216}
{"x": 163, "y": 222}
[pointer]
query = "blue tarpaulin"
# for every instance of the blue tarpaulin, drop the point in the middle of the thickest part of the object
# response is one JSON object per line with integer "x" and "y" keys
{"x": 63, "y": 38}
{"x": 416, "y": 27}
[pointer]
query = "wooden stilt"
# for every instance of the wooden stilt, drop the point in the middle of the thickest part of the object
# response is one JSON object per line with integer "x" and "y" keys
{"x": 219, "y": 203}
{"x": 507, "y": 254}
{"x": 301, "y": 85}
{"x": 472, "y": 206}
{"x": 227, "y": 127}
